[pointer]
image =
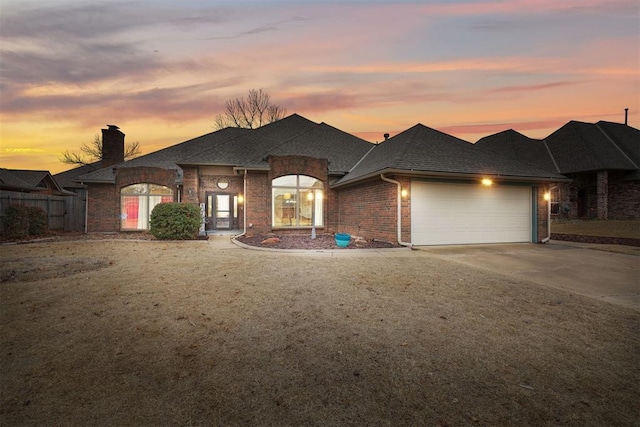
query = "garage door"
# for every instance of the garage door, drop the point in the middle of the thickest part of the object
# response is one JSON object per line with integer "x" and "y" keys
{"x": 449, "y": 214}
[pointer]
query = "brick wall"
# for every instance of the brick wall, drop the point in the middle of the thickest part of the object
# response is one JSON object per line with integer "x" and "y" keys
{"x": 208, "y": 184}
{"x": 158, "y": 176}
{"x": 369, "y": 210}
{"x": 624, "y": 197}
{"x": 602, "y": 197}
{"x": 258, "y": 203}
{"x": 103, "y": 208}
{"x": 103, "y": 205}
{"x": 190, "y": 185}
{"x": 258, "y": 198}
{"x": 542, "y": 212}
{"x": 112, "y": 146}
{"x": 299, "y": 165}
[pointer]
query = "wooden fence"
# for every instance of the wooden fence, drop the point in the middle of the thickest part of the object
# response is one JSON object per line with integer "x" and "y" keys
{"x": 63, "y": 212}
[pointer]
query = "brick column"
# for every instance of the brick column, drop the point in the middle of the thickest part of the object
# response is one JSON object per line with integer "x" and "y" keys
{"x": 603, "y": 195}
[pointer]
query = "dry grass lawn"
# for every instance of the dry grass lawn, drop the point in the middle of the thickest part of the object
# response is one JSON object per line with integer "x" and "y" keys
{"x": 185, "y": 333}
{"x": 609, "y": 228}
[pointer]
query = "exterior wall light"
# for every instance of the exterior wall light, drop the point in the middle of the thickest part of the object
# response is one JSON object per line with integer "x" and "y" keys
{"x": 404, "y": 192}
{"x": 547, "y": 196}
{"x": 487, "y": 182}
{"x": 240, "y": 198}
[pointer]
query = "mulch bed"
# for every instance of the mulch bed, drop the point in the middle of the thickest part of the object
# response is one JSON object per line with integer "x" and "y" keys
{"x": 300, "y": 241}
{"x": 286, "y": 241}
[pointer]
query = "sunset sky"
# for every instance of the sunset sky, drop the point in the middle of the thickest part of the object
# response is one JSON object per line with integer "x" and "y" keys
{"x": 162, "y": 70}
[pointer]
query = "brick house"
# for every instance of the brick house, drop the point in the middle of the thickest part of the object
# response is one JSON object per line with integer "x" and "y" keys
{"x": 601, "y": 159}
{"x": 31, "y": 181}
{"x": 420, "y": 187}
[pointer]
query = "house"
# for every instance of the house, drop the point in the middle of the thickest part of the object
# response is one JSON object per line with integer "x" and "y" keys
{"x": 601, "y": 159}
{"x": 35, "y": 188}
{"x": 30, "y": 181}
{"x": 420, "y": 187}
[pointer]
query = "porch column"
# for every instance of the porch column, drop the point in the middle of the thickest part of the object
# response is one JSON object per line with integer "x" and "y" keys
{"x": 603, "y": 195}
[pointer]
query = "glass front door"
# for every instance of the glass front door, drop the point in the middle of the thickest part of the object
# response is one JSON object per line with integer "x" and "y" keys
{"x": 219, "y": 214}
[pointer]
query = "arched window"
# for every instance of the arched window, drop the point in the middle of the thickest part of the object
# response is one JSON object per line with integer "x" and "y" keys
{"x": 296, "y": 200}
{"x": 137, "y": 202}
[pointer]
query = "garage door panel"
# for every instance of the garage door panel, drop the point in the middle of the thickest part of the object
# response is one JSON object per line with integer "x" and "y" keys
{"x": 464, "y": 213}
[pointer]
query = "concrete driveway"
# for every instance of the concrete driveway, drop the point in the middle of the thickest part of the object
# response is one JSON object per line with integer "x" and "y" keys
{"x": 609, "y": 273}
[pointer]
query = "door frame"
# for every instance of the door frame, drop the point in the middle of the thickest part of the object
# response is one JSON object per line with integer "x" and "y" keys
{"x": 211, "y": 210}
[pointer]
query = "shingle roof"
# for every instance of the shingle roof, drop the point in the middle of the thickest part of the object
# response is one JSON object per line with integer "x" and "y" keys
{"x": 251, "y": 149}
{"x": 10, "y": 179}
{"x": 575, "y": 147}
{"x": 419, "y": 150}
{"x": 519, "y": 147}
{"x": 586, "y": 147}
{"x": 67, "y": 178}
{"x": 627, "y": 138}
{"x": 425, "y": 151}
{"x": 28, "y": 180}
{"x": 341, "y": 149}
{"x": 166, "y": 158}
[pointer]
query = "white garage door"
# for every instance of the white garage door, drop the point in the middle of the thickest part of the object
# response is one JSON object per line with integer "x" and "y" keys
{"x": 449, "y": 214}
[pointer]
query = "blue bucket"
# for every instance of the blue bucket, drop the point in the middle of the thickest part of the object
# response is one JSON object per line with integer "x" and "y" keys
{"x": 343, "y": 239}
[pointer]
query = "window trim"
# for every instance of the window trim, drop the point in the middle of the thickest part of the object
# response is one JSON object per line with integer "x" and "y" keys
{"x": 143, "y": 196}
{"x": 297, "y": 191}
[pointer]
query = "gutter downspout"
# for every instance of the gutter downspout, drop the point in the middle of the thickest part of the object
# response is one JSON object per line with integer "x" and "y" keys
{"x": 546, "y": 239}
{"x": 384, "y": 178}
{"x": 86, "y": 210}
{"x": 244, "y": 207}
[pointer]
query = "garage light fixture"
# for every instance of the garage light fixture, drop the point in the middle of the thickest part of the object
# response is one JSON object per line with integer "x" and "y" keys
{"x": 487, "y": 182}
{"x": 404, "y": 192}
{"x": 547, "y": 196}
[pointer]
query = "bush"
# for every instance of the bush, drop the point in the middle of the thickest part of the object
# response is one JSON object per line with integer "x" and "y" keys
{"x": 22, "y": 221}
{"x": 38, "y": 222}
{"x": 175, "y": 221}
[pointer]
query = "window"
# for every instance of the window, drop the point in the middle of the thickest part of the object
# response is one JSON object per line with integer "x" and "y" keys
{"x": 137, "y": 202}
{"x": 555, "y": 201}
{"x": 296, "y": 200}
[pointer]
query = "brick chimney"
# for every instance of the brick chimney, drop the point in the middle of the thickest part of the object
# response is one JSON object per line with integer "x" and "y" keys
{"x": 112, "y": 146}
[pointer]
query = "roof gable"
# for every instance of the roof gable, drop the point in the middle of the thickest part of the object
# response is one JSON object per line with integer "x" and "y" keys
{"x": 426, "y": 151}
{"x": 29, "y": 181}
{"x": 519, "y": 147}
{"x": 341, "y": 149}
{"x": 252, "y": 148}
{"x": 626, "y": 138}
{"x": 585, "y": 147}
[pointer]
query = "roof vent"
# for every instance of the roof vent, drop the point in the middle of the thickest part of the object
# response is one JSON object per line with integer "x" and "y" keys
{"x": 113, "y": 127}
{"x": 386, "y": 136}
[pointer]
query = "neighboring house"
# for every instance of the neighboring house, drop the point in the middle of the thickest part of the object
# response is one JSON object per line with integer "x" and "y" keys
{"x": 421, "y": 186}
{"x": 30, "y": 181}
{"x": 601, "y": 159}
{"x": 35, "y": 188}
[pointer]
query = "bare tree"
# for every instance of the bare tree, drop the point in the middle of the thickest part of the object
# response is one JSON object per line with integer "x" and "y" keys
{"x": 92, "y": 152}
{"x": 251, "y": 112}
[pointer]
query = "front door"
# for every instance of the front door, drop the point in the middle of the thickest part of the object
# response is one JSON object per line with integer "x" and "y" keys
{"x": 219, "y": 213}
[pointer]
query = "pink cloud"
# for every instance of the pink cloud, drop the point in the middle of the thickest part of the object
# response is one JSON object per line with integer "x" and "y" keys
{"x": 524, "y": 6}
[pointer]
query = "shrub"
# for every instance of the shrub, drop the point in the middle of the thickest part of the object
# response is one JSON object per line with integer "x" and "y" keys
{"x": 175, "y": 221}
{"x": 22, "y": 221}
{"x": 16, "y": 221}
{"x": 38, "y": 221}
